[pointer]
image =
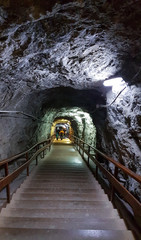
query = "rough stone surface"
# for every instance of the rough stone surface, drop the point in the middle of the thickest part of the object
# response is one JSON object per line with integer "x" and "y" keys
{"x": 54, "y": 57}
{"x": 121, "y": 136}
{"x": 25, "y": 131}
{"x": 75, "y": 44}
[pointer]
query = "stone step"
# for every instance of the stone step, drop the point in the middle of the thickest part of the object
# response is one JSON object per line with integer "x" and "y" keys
{"x": 62, "y": 223}
{"x": 45, "y": 165}
{"x": 75, "y": 168}
{"x": 61, "y": 204}
{"x": 19, "y": 211}
{"x": 47, "y": 168}
{"x": 60, "y": 181}
{"x": 59, "y": 163}
{"x": 64, "y": 174}
{"x": 81, "y": 167}
{"x": 58, "y": 190}
{"x": 60, "y": 185}
{"x": 63, "y": 169}
{"x": 51, "y": 234}
{"x": 61, "y": 178}
{"x": 70, "y": 178}
{"x": 61, "y": 173}
{"x": 58, "y": 196}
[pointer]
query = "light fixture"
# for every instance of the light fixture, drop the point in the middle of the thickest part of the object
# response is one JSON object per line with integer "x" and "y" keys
{"x": 116, "y": 83}
{"x": 112, "y": 82}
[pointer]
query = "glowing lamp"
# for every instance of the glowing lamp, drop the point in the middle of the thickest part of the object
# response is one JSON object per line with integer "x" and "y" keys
{"x": 112, "y": 82}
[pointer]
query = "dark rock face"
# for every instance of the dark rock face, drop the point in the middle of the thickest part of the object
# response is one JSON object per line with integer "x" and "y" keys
{"x": 54, "y": 57}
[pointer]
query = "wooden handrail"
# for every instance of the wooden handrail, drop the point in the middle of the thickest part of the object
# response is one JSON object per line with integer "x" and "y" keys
{"x": 117, "y": 164}
{"x": 122, "y": 167}
{"x": 7, "y": 160}
{"x": 112, "y": 178}
{"x": 8, "y": 178}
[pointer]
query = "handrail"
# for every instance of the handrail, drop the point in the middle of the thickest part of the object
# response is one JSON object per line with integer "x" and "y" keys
{"x": 112, "y": 178}
{"x": 117, "y": 164}
{"x": 8, "y": 178}
{"x": 7, "y": 160}
{"x": 122, "y": 167}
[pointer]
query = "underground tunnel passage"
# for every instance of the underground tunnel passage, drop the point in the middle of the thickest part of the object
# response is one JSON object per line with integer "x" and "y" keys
{"x": 56, "y": 58}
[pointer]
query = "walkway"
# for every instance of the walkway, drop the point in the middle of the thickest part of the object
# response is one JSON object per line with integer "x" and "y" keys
{"x": 61, "y": 200}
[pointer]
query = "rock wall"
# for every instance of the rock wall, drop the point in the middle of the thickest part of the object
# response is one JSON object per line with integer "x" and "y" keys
{"x": 45, "y": 45}
{"x": 76, "y": 43}
{"x": 17, "y": 134}
{"x": 20, "y": 132}
{"x": 121, "y": 134}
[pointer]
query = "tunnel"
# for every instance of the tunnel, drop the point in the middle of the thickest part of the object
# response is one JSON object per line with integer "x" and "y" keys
{"x": 75, "y": 61}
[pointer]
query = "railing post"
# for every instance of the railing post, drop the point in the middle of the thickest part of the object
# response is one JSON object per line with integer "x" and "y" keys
{"x": 8, "y": 186}
{"x": 28, "y": 165}
{"x": 88, "y": 154}
{"x": 79, "y": 146}
{"x": 50, "y": 144}
{"x": 76, "y": 141}
{"x": 113, "y": 189}
{"x": 43, "y": 151}
{"x": 83, "y": 149}
{"x": 43, "y": 154}
{"x": 37, "y": 155}
{"x": 96, "y": 172}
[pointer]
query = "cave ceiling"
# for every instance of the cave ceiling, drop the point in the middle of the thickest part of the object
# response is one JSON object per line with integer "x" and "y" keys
{"x": 78, "y": 44}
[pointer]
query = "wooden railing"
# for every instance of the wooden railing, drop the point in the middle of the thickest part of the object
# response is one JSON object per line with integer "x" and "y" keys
{"x": 27, "y": 157}
{"x": 116, "y": 186}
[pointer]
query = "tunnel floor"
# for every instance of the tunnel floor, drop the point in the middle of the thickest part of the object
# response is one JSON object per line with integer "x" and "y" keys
{"x": 63, "y": 141}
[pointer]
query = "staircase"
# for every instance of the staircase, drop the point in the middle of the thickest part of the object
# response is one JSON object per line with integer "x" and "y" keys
{"x": 61, "y": 200}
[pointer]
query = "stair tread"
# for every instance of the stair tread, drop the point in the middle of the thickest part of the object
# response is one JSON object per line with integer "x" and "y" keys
{"x": 61, "y": 189}
{"x": 60, "y": 196}
{"x": 60, "y": 181}
{"x": 62, "y": 223}
{"x": 47, "y": 184}
{"x": 38, "y": 234}
{"x": 60, "y": 178}
{"x": 68, "y": 213}
{"x": 63, "y": 186}
{"x": 63, "y": 204}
